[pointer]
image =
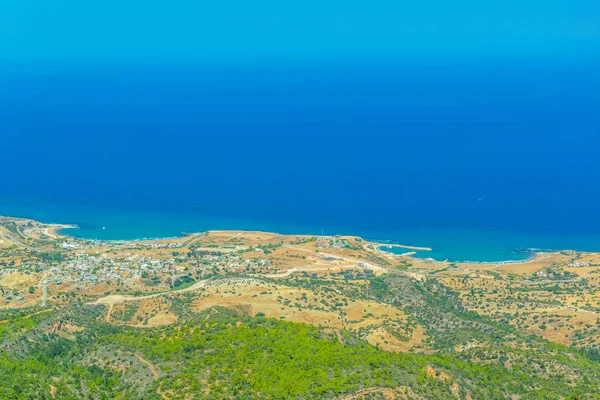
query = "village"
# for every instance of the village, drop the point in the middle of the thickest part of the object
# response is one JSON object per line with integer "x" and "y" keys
{"x": 262, "y": 272}
{"x": 39, "y": 258}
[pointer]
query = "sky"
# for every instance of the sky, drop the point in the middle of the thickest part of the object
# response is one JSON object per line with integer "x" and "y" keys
{"x": 261, "y": 31}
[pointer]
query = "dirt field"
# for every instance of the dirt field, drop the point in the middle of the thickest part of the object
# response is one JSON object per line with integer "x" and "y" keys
{"x": 318, "y": 280}
{"x": 316, "y": 308}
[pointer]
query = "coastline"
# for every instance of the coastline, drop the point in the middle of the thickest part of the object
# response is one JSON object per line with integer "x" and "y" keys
{"x": 402, "y": 246}
{"x": 60, "y": 232}
{"x": 55, "y": 227}
{"x": 532, "y": 255}
{"x": 61, "y": 227}
{"x": 64, "y": 230}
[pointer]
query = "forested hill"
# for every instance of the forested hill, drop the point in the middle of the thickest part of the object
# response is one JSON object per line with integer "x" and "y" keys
{"x": 73, "y": 354}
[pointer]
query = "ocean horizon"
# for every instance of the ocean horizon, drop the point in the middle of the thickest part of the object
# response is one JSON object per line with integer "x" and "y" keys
{"x": 477, "y": 163}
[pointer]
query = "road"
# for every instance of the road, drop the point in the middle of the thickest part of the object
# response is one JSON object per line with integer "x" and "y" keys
{"x": 349, "y": 259}
{"x": 16, "y": 241}
{"x": 44, "y": 294}
{"x": 44, "y": 284}
{"x": 117, "y": 298}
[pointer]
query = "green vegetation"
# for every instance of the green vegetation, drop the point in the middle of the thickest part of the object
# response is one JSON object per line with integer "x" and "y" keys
{"x": 221, "y": 354}
{"x": 461, "y": 333}
{"x": 467, "y": 336}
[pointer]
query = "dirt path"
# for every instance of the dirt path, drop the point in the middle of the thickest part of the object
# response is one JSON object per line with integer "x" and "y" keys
{"x": 198, "y": 236}
{"x": 386, "y": 392}
{"x": 4, "y": 321}
{"x": 44, "y": 284}
{"x": 311, "y": 269}
{"x": 283, "y": 274}
{"x": 113, "y": 299}
{"x": 340, "y": 337}
{"x": 161, "y": 393}
{"x": 349, "y": 259}
{"x": 234, "y": 236}
{"x": 6, "y": 233}
{"x": 117, "y": 298}
{"x": 110, "y": 308}
{"x": 155, "y": 374}
{"x": 194, "y": 237}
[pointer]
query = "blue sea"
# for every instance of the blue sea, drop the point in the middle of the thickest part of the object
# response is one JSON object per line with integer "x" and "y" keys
{"x": 478, "y": 162}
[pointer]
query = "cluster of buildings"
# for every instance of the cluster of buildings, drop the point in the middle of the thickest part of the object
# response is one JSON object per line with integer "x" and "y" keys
{"x": 110, "y": 262}
{"x": 578, "y": 264}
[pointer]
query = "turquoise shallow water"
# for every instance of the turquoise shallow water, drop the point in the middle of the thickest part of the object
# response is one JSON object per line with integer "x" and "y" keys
{"x": 395, "y": 249}
{"x": 446, "y": 244}
{"x": 488, "y": 246}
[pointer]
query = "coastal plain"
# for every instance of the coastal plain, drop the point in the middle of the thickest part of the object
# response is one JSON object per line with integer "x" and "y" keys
{"x": 536, "y": 322}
